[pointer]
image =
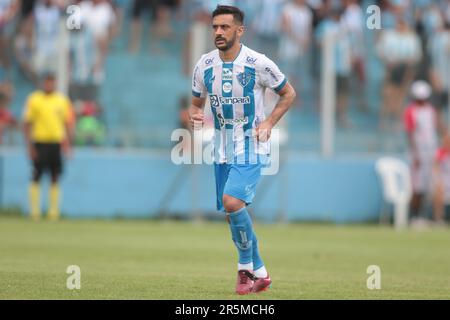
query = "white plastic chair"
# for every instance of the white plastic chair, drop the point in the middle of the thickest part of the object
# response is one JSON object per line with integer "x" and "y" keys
{"x": 397, "y": 188}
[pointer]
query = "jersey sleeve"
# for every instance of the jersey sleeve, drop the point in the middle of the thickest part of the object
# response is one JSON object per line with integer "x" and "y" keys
{"x": 198, "y": 86}
{"x": 271, "y": 76}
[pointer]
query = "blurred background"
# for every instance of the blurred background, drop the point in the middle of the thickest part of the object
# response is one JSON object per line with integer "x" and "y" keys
{"x": 127, "y": 71}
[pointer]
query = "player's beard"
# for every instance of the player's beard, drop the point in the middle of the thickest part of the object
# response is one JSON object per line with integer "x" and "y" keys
{"x": 227, "y": 44}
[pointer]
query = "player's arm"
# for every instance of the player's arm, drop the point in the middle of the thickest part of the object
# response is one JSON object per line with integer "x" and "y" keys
{"x": 28, "y": 141}
{"x": 196, "y": 111}
{"x": 287, "y": 95}
{"x": 28, "y": 118}
{"x": 69, "y": 127}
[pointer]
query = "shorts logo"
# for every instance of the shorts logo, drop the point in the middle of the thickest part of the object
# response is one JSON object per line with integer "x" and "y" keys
{"x": 244, "y": 78}
{"x": 227, "y": 86}
{"x": 227, "y": 74}
{"x": 245, "y": 243}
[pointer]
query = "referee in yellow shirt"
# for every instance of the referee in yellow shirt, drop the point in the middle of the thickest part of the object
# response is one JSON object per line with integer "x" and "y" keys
{"x": 48, "y": 121}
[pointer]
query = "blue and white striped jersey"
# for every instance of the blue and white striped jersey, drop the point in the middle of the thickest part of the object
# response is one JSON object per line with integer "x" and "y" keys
{"x": 236, "y": 94}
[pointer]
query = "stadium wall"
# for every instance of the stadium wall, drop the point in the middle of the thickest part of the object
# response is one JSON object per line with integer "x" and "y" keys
{"x": 107, "y": 183}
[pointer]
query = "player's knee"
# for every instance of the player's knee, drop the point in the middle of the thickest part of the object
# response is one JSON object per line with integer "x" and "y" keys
{"x": 232, "y": 204}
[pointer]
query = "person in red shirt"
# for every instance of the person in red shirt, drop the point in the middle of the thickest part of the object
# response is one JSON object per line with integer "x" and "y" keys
{"x": 422, "y": 126}
{"x": 7, "y": 120}
{"x": 441, "y": 181}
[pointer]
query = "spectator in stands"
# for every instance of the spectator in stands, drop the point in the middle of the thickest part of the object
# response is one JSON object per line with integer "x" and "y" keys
{"x": 422, "y": 126}
{"x": 24, "y": 50}
{"x": 400, "y": 51}
{"x": 446, "y": 10}
{"x": 90, "y": 131}
{"x": 8, "y": 10}
{"x": 119, "y": 8}
{"x": 46, "y": 21}
{"x": 160, "y": 11}
{"x": 439, "y": 52}
{"x": 6, "y": 86}
{"x": 429, "y": 20}
{"x": 342, "y": 60}
{"x": 296, "y": 26}
{"x": 85, "y": 77}
{"x": 98, "y": 16}
{"x": 354, "y": 21}
{"x": 441, "y": 181}
{"x": 267, "y": 24}
{"x": 7, "y": 120}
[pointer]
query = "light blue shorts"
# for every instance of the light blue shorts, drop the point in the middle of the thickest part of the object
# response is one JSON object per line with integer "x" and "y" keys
{"x": 236, "y": 180}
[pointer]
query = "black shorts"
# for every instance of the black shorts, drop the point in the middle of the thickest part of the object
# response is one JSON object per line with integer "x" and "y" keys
{"x": 440, "y": 100}
{"x": 342, "y": 84}
{"x": 398, "y": 74}
{"x": 140, "y": 5}
{"x": 48, "y": 158}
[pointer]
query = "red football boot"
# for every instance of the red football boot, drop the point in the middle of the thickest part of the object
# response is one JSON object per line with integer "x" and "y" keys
{"x": 244, "y": 282}
{"x": 261, "y": 284}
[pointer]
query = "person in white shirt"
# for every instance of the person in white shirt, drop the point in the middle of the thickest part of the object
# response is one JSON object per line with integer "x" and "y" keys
{"x": 400, "y": 50}
{"x": 295, "y": 41}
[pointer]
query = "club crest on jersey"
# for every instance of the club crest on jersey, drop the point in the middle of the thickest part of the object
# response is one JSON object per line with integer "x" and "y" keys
{"x": 244, "y": 78}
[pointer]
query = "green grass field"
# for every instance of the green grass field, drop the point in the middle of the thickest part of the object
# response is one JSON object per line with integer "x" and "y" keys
{"x": 186, "y": 260}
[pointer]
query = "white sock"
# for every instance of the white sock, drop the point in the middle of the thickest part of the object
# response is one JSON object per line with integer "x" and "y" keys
{"x": 245, "y": 266}
{"x": 261, "y": 272}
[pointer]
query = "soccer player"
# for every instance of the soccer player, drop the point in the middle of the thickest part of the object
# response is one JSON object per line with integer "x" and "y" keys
{"x": 48, "y": 122}
{"x": 422, "y": 126}
{"x": 235, "y": 79}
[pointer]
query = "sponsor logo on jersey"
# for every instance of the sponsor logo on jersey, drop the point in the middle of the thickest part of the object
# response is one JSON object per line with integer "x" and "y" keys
{"x": 223, "y": 121}
{"x": 216, "y": 100}
{"x": 227, "y": 74}
{"x": 271, "y": 73}
{"x": 251, "y": 60}
{"x": 209, "y": 61}
{"x": 227, "y": 87}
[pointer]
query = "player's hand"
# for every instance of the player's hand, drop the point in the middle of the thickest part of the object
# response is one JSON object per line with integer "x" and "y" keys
{"x": 66, "y": 149}
{"x": 32, "y": 153}
{"x": 196, "y": 121}
{"x": 416, "y": 162}
{"x": 263, "y": 131}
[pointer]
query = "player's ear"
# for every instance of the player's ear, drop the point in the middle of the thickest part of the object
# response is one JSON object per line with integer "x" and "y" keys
{"x": 240, "y": 30}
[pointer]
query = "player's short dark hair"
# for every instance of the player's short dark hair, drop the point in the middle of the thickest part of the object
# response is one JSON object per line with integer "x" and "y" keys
{"x": 238, "y": 14}
{"x": 48, "y": 76}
